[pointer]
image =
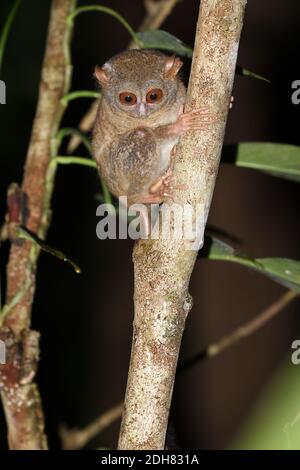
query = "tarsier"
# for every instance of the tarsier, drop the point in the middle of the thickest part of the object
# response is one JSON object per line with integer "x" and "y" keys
{"x": 139, "y": 122}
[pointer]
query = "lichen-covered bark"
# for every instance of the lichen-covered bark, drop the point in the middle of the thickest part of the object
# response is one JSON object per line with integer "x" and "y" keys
{"x": 30, "y": 206}
{"x": 163, "y": 267}
{"x": 20, "y": 396}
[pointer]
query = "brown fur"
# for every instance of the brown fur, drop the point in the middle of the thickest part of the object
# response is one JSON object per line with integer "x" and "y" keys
{"x": 133, "y": 151}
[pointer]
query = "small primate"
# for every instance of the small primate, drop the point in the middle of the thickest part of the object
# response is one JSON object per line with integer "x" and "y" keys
{"x": 139, "y": 121}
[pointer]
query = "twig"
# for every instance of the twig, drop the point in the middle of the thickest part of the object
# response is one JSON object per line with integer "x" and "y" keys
{"x": 163, "y": 267}
{"x": 73, "y": 439}
{"x": 157, "y": 12}
{"x": 78, "y": 438}
{"x": 20, "y": 397}
{"x": 243, "y": 331}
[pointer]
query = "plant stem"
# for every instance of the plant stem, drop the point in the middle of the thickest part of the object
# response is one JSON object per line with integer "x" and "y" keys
{"x": 108, "y": 11}
{"x": 6, "y": 29}
{"x": 73, "y": 161}
{"x": 74, "y": 95}
{"x": 162, "y": 268}
{"x": 20, "y": 397}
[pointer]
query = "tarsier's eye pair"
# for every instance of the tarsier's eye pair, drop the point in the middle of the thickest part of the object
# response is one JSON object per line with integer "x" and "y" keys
{"x": 153, "y": 96}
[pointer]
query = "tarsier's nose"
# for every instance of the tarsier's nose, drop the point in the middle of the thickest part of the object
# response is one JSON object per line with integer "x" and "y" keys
{"x": 142, "y": 109}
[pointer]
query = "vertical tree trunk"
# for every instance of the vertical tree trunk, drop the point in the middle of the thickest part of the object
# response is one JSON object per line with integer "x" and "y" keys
{"x": 30, "y": 206}
{"x": 163, "y": 267}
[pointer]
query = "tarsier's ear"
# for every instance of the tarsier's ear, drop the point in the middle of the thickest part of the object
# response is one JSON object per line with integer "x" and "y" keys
{"x": 172, "y": 66}
{"x": 101, "y": 76}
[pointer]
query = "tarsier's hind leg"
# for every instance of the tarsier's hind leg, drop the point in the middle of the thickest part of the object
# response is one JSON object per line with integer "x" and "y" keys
{"x": 158, "y": 191}
{"x": 134, "y": 161}
{"x": 134, "y": 164}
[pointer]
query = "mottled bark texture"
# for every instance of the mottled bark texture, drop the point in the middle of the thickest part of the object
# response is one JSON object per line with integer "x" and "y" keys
{"x": 30, "y": 206}
{"x": 163, "y": 267}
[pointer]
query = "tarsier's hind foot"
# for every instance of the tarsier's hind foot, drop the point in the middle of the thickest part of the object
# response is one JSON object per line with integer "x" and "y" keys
{"x": 160, "y": 189}
{"x": 165, "y": 186}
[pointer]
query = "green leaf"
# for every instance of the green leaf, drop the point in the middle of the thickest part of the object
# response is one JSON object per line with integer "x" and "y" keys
{"x": 163, "y": 40}
{"x": 6, "y": 28}
{"x": 247, "y": 73}
{"x": 159, "y": 39}
{"x": 274, "y": 420}
{"x": 280, "y": 160}
{"x": 23, "y": 232}
{"x": 282, "y": 270}
{"x": 285, "y": 271}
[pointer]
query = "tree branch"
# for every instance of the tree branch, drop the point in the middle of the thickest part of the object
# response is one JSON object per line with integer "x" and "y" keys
{"x": 163, "y": 267}
{"x": 30, "y": 206}
{"x": 73, "y": 439}
{"x": 157, "y": 13}
{"x": 78, "y": 438}
{"x": 243, "y": 331}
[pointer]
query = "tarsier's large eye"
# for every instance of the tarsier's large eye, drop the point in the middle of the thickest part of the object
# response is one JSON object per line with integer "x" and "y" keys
{"x": 128, "y": 98}
{"x": 154, "y": 96}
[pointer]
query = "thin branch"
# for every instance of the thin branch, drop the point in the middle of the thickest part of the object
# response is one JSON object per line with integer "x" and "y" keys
{"x": 73, "y": 439}
{"x": 243, "y": 331}
{"x": 157, "y": 12}
{"x": 162, "y": 268}
{"x": 78, "y": 438}
{"x": 30, "y": 207}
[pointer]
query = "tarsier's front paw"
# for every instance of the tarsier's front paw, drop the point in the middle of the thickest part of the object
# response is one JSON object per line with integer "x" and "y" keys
{"x": 195, "y": 120}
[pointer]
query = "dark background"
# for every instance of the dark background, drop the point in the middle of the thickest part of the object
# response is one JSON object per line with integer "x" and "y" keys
{"x": 86, "y": 320}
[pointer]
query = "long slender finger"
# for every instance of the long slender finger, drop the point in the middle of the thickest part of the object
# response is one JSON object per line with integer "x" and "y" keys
{"x": 199, "y": 127}
{"x": 195, "y": 113}
{"x": 199, "y": 116}
{"x": 207, "y": 117}
{"x": 199, "y": 110}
